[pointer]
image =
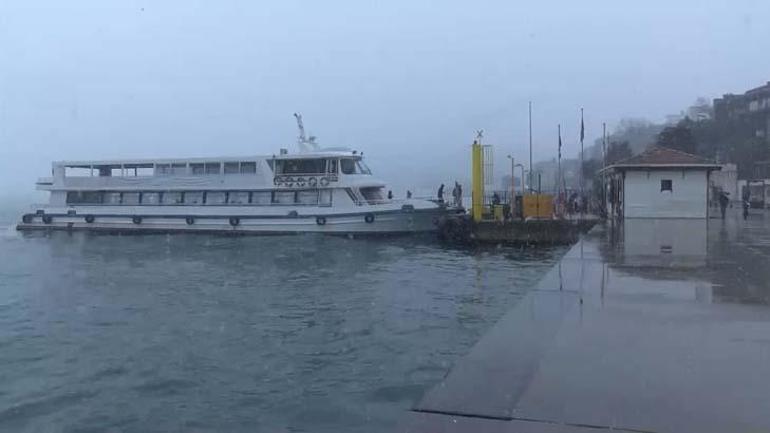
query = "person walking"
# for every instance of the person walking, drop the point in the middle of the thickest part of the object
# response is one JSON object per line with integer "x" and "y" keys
{"x": 390, "y": 195}
{"x": 454, "y": 194}
{"x": 724, "y": 200}
{"x": 746, "y": 202}
{"x": 459, "y": 195}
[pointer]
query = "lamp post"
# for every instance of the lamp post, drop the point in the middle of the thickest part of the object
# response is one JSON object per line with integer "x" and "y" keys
{"x": 513, "y": 186}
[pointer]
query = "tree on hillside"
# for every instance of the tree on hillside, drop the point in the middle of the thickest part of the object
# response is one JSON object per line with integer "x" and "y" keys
{"x": 679, "y": 137}
{"x": 618, "y": 151}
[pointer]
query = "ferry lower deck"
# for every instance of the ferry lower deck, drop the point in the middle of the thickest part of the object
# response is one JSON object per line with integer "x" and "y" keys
{"x": 392, "y": 219}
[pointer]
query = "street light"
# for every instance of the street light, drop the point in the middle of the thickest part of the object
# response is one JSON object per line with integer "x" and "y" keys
{"x": 513, "y": 186}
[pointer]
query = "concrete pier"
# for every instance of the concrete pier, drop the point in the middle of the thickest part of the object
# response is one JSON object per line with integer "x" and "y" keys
{"x": 462, "y": 230}
{"x": 644, "y": 326}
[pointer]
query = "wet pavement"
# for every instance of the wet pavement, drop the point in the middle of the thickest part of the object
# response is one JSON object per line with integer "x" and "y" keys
{"x": 646, "y": 326}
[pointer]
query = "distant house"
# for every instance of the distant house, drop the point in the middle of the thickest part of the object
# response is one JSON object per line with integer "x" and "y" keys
{"x": 660, "y": 183}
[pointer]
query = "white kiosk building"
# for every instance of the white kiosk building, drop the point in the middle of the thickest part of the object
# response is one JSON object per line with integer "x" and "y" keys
{"x": 660, "y": 183}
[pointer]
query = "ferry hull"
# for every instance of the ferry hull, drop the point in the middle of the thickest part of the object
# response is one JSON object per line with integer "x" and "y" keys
{"x": 383, "y": 222}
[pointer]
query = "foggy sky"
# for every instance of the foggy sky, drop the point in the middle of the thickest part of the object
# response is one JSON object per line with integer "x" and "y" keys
{"x": 407, "y": 82}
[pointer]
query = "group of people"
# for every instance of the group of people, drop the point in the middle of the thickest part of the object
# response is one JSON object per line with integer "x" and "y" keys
{"x": 724, "y": 201}
{"x": 457, "y": 194}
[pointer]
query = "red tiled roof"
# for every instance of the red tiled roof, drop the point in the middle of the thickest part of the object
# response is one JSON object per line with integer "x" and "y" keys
{"x": 663, "y": 156}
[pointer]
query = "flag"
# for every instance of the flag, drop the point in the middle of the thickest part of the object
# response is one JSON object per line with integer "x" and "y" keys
{"x": 582, "y": 127}
{"x": 559, "y": 141}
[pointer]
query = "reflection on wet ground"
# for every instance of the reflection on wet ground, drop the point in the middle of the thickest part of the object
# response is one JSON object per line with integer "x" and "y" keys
{"x": 653, "y": 326}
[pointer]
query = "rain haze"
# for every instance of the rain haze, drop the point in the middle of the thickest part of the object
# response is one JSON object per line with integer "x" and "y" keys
{"x": 406, "y": 82}
{"x": 415, "y": 278}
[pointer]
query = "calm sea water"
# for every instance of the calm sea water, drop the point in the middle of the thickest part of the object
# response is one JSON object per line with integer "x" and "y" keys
{"x": 201, "y": 333}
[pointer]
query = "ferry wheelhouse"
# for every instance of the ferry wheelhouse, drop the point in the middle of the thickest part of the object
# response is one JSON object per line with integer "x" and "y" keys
{"x": 320, "y": 191}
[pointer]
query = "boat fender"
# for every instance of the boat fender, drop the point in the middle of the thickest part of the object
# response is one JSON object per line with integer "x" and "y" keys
{"x": 137, "y": 219}
{"x": 48, "y": 219}
{"x": 189, "y": 220}
{"x": 234, "y": 221}
{"x": 89, "y": 219}
{"x": 320, "y": 220}
{"x": 324, "y": 181}
{"x": 293, "y": 214}
{"x": 369, "y": 218}
{"x": 312, "y": 181}
{"x": 27, "y": 218}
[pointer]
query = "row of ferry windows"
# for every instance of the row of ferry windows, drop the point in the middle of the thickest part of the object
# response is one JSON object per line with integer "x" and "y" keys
{"x": 306, "y": 197}
{"x": 286, "y": 166}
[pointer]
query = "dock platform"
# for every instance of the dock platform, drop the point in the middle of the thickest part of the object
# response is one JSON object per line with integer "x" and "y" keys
{"x": 643, "y": 326}
{"x": 461, "y": 229}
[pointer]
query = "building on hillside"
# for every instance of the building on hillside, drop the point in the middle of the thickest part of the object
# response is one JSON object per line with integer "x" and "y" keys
{"x": 725, "y": 179}
{"x": 660, "y": 183}
{"x": 750, "y": 110}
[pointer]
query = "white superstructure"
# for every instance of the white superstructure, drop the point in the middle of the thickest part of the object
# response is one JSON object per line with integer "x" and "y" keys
{"x": 320, "y": 191}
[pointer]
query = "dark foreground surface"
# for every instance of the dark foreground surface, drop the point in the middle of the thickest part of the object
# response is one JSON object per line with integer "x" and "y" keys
{"x": 199, "y": 333}
{"x": 652, "y": 326}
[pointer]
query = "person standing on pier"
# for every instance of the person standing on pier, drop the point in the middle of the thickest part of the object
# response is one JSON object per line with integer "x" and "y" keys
{"x": 440, "y": 193}
{"x": 408, "y": 194}
{"x": 459, "y": 195}
{"x": 390, "y": 195}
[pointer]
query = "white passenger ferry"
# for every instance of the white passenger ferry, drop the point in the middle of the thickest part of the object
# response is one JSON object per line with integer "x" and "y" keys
{"x": 318, "y": 191}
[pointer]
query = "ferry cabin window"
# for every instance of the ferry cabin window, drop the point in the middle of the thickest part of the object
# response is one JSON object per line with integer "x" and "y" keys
{"x": 179, "y": 169}
{"x": 171, "y": 197}
{"x": 193, "y": 197}
{"x": 77, "y": 171}
{"x": 131, "y": 198}
{"x": 117, "y": 171}
{"x": 283, "y": 197}
{"x": 307, "y": 197}
{"x": 238, "y": 197}
{"x": 372, "y": 194}
{"x": 215, "y": 197}
{"x": 348, "y": 166}
{"x": 248, "y": 167}
{"x": 111, "y": 198}
{"x": 325, "y": 197}
{"x": 197, "y": 169}
{"x": 231, "y": 168}
{"x": 261, "y": 197}
{"x": 150, "y": 198}
{"x": 84, "y": 197}
{"x": 162, "y": 169}
{"x": 212, "y": 167}
{"x": 302, "y": 166}
{"x": 666, "y": 185}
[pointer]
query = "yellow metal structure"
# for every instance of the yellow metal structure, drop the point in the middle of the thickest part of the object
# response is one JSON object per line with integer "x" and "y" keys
{"x": 498, "y": 212}
{"x": 477, "y": 181}
{"x": 538, "y": 206}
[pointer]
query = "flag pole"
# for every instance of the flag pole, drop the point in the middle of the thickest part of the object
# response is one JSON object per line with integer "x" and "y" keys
{"x": 583, "y": 201}
{"x": 558, "y": 171}
{"x": 530, "y": 147}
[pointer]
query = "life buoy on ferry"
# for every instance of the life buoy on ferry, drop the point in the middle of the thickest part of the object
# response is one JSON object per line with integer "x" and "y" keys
{"x": 324, "y": 181}
{"x": 48, "y": 219}
{"x": 189, "y": 220}
{"x": 369, "y": 218}
{"x": 312, "y": 181}
{"x": 234, "y": 221}
{"x": 27, "y": 218}
{"x": 320, "y": 220}
{"x": 137, "y": 219}
{"x": 277, "y": 180}
{"x": 89, "y": 219}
